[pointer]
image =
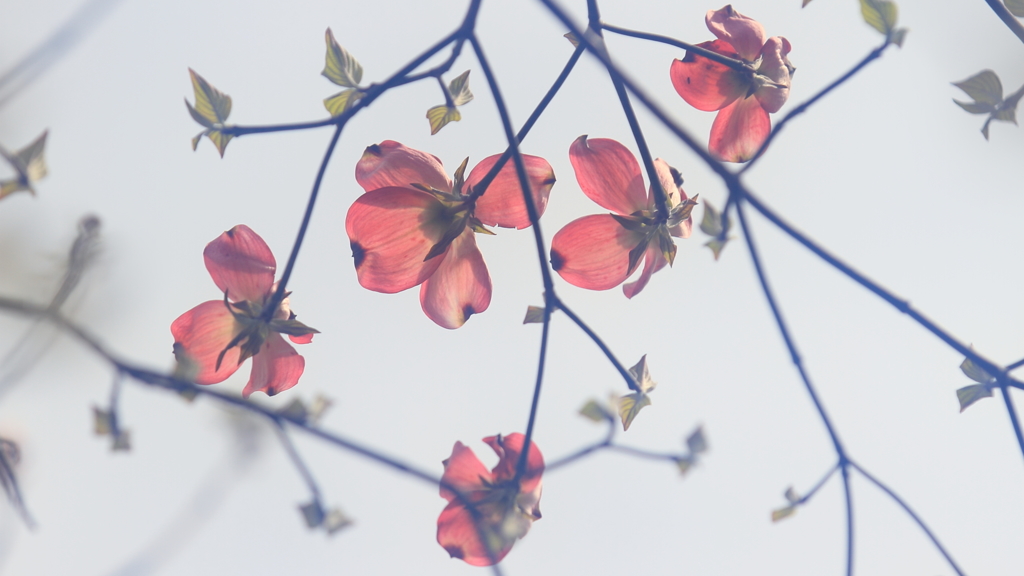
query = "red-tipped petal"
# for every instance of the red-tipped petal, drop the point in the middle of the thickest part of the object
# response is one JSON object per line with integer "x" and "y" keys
{"x": 459, "y": 536}
{"x": 508, "y": 448}
{"x": 464, "y": 472}
{"x": 775, "y": 65}
{"x": 275, "y": 368}
{"x": 392, "y": 230}
{"x": 739, "y": 131}
{"x": 460, "y": 287}
{"x": 241, "y": 263}
{"x": 201, "y": 334}
{"x": 608, "y": 174}
{"x": 502, "y": 204}
{"x": 593, "y": 252}
{"x": 393, "y": 164}
{"x": 745, "y": 34}
{"x": 304, "y": 339}
{"x": 653, "y": 261}
{"x": 705, "y": 84}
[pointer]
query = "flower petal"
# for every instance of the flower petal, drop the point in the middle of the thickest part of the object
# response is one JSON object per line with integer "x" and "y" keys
{"x": 393, "y": 164}
{"x": 705, "y": 84}
{"x": 200, "y": 335}
{"x": 241, "y": 263}
{"x": 460, "y": 287}
{"x": 593, "y": 252}
{"x": 502, "y": 204}
{"x": 608, "y": 174}
{"x": 275, "y": 368}
{"x": 776, "y": 66}
{"x": 745, "y": 34}
{"x": 667, "y": 177}
{"x": 458, "y": 535}
{"x": 654, "y": 260}
{"x": 739, "y": 130}
{"x": 464, "y": 472}
{"x": 508, "y": 448}
{"x": 392, "y": 230}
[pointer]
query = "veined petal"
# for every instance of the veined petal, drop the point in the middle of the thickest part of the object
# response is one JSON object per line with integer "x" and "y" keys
{"x": 608, "y": 174}
{"x": 459, "y": 287}
{"x": 458, "y": 534}
{"x": 653, "y": 261}
{"x": 502, "y": 204}
{"x": 393, "y": 164}
{"x": 275, "y": 368}
{"x": 739, "y": 130}
{"x": 705, "y": 84}
{"x": 508, "y": 448}
{"x": 668, "y": 183}
{"x": 241, "y": 263}
{"x": 745, "y": 34}
{"x": 593, "y": 252}
{"x": 392, "y": 230}
{"x": 464, "y": 471}
{"x": 201, "y": 334}
{"x": 776, "y": 66}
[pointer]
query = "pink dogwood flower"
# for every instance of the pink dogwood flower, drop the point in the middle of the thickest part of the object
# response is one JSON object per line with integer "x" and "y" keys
{"x": 743, "y": 99}
{"x": 416, "y": 227}
{"x": 505, "y": 508}
{"x": 601, "y": 251}
{"x": 215, "y": 337}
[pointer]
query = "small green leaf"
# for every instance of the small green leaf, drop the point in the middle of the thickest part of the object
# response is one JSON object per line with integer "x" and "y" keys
{"x": 631, "y": 223}
{"x": 880, "y": 15}
{"x": 340, "y": 67}
{"x": 784, "y": 512}
{"x": 716, "y": 246}
{"x": 336, "y": 520}
{"x": 459, "y": 89}
{"x": 292, "y": 327}
{"x": 684, "y": 463}
{"x": 572, "y": 38}
{"x": 596, "y": 411}
{"x": 642, "y": 376}
{"x": 534, "y": 315}
{"x": 313, "y": 513}
{"x": 219, "y": 139}
{"x": 630, "y": 405}
{"x": 975, "y": 107}
{"x": 984, "y": 87}
{"x": 711, "y": 224}
{"x": 440, "y": 116}
{"x": 806, "y": 2}
{"x": 337, "y": 105}
{"x": 453, "y": 231}
{"x": 970, "y": 394}
{"x": 29, "y": 163}
{"x": 696, "y": 442}
{"x": 212, "y": 106}
{"x": 1016, "y": 7}
{"x": 974, "y": 372}
{"x": 636, "y": 254}
{"x": 898, "y": 36}
{"x": 101, "y": 422}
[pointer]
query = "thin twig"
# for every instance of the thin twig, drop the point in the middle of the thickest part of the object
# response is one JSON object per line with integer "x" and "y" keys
{"x": 738, "y": 65}
{"x": 1011, "y": 22}
{"x": 600, "y": 344}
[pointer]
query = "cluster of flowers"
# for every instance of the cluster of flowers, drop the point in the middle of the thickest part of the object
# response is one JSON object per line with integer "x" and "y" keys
{"x": 415, "y": 226}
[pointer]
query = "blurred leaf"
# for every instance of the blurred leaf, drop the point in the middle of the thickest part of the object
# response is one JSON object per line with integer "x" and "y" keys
{"x": 337, "y": 105}
{"x": 898, "y": 36}
{"x": 212, "y": 106}
{"x": 711, "y": 224}
{"x": 340, "y": 67}
{"x": 310, "y": 414}
{"x": 336, "y": 520}
{"x": 716, "y": 246}
{"x": 984, "y": 87}
{"x": 313, "y": 513}
{"x": 642, "y": 376}
{"x": 781, "y": 513}
{"x": 974, "y": 372}
{"x": 791, "y": 496}
{"x": 630, "y": 405}
{"x": 101, "y": 422}
{"x": 1016, "y": 7}
{"x": 9, "y": 458}
{"x": 684, "y": 463}
{"x": 696, "y": 442}
{"x": 534, "y": 315}
{"x": 596, "y": 411}
{"x": 29, "y": 163}
{"x": 806, "y": 2}
{"x": 459, "y": 89}
{"x": 440, "y": 116}
{"x": 970, "y": 394}
{"x": 122, "y": 442}
{"x": 975, "y": 107}
{"x": 572, "y": 38}
{"x": 880, "y": 15}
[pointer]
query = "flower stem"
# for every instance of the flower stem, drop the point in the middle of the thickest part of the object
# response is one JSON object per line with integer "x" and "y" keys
{"x": 738, "y": 65}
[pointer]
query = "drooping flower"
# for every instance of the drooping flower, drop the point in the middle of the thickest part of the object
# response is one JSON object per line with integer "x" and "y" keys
{"x": 215, "y": 337}
{"x": 503, "y": 508}
{"x": 601, "y": 251}
{"x": 416, "y": 227}
{"x": 743, "y": 99}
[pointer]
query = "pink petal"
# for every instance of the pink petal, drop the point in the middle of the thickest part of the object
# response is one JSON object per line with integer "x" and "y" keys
{"x": 459, "y": 536}
{"x": 460, "y": 287}
{"x": 201, "y": 334}
{"x": 608, "y": 174}
{"x": 593, "y": 252}
{"x": 775, "y": 65}
{"x": 705, "y": 84}
{"x": 745, "y": 34}
{"x": 275, "y": 368}
{"x": 304, "y": 339}
{"x": 668, "y": 184}
{"x": 392, "y": 164}
{"x": 502, "y": 204}
{"x": 654, "y": 260}
{"x": 241, "y": 263}
{"x": 508, "y": 448}
{"x": 739, "y": 130}
{"x": 392, "y": 230}
{"x": 464, "y": 472}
